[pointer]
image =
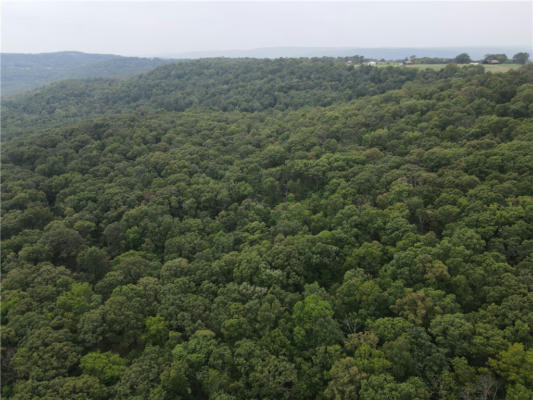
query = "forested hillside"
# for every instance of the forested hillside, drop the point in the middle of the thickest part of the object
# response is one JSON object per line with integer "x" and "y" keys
{"x": 22, "y": 72}
{"x": 208, "y": 85}
{"x": 287, "y": 229}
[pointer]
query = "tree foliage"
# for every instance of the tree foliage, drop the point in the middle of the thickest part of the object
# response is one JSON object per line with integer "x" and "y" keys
{"x": 270, "y": 229}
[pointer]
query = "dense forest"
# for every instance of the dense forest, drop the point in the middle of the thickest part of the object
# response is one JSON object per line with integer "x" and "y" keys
{"x": 246, "y": 85}
{"x": 270, "y": 229}
{"x": 22, "y": 72}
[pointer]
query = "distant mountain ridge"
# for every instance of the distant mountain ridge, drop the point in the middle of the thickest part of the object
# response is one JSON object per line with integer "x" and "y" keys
{"x": 378, "y": 52}
{"x": 22, "y": 72}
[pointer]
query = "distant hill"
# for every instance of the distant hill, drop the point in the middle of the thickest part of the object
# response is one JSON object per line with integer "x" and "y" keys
{"x": 224, "y": 84}
{"x": 21, "y": 72}
{"x": 211, "y": 84}
{"x": 387, "y": 53}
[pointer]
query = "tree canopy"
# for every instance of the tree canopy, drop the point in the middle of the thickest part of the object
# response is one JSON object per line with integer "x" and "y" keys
{"x": 270, "y": 229}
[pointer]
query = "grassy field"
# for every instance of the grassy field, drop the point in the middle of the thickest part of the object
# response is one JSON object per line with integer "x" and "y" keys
{"x": 437, "y": 67}
{"x": 501, "y": 67}
{"x": 488, "y": 68}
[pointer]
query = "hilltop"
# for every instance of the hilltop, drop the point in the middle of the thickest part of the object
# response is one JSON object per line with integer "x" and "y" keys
{"x": 23, "y": 72}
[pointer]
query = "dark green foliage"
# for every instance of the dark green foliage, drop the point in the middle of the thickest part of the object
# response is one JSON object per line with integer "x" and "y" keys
{"x": 521, "y": 58}
{"x": 462, "y": 58}
{"x": 280, "y": 237}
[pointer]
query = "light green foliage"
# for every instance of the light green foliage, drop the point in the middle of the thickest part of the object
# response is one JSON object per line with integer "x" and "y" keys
{"x": 77, "y": 301}
{"x": 107, "y": 367}
{"x": 345, "y": 380}
{"x": 385, "y": 387}
{"x": 156, "y": 330}
{"x": 388, "y": 328}
{"x": 515, "y": 365}
{"x": 371, "y": 361}
{"x": 314, "y": 322}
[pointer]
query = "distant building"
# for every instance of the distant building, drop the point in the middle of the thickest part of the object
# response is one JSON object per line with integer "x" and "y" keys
{"x": 493, "y": 61}
{"x": 474, "y": 63}
{"x": 408, "y": 62}
{"x": 349, "y": 62}
{"x": 371, "y": 63}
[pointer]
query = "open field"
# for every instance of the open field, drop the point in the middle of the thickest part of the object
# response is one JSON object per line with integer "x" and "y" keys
{"x": 489, "y": 68}
{"x": 501, "y": 67}
{"x": 438, "y": 67}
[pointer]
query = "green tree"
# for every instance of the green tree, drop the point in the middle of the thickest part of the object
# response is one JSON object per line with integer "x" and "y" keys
{"x": 77, "y": 301}
{"x": 345, "y": 380}
{"x": 453, "y": 332}
{"x": 314, "y": 322}
{"x": 64, "y": 243}
{"x": 156, "y": 330}
{"x": 93, "y": 261}
{"x": 515, "y": 365}
{"x": 521, "y": 58}
{"x": 500, "y": 57}
{"x": 462, "y": 58}
{"x": 107, "y": 367}
{"x": 46, "y": 354}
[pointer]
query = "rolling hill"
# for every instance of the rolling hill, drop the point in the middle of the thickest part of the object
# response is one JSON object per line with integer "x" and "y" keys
{"x": 22, "y": 72}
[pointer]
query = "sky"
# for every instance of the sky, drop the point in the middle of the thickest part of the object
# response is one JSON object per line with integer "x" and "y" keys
{"x": 171, "y": 28}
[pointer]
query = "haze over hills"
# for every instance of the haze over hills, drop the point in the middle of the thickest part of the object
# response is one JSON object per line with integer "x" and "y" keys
{"x": 387, "y": 53}
{"x": 21, "y": 72}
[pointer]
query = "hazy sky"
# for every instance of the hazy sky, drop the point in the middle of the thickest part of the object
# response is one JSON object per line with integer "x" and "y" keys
{"x": 164, "y": 28}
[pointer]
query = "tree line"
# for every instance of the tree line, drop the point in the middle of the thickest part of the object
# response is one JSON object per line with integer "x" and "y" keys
{"x": 464, "y": 58}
